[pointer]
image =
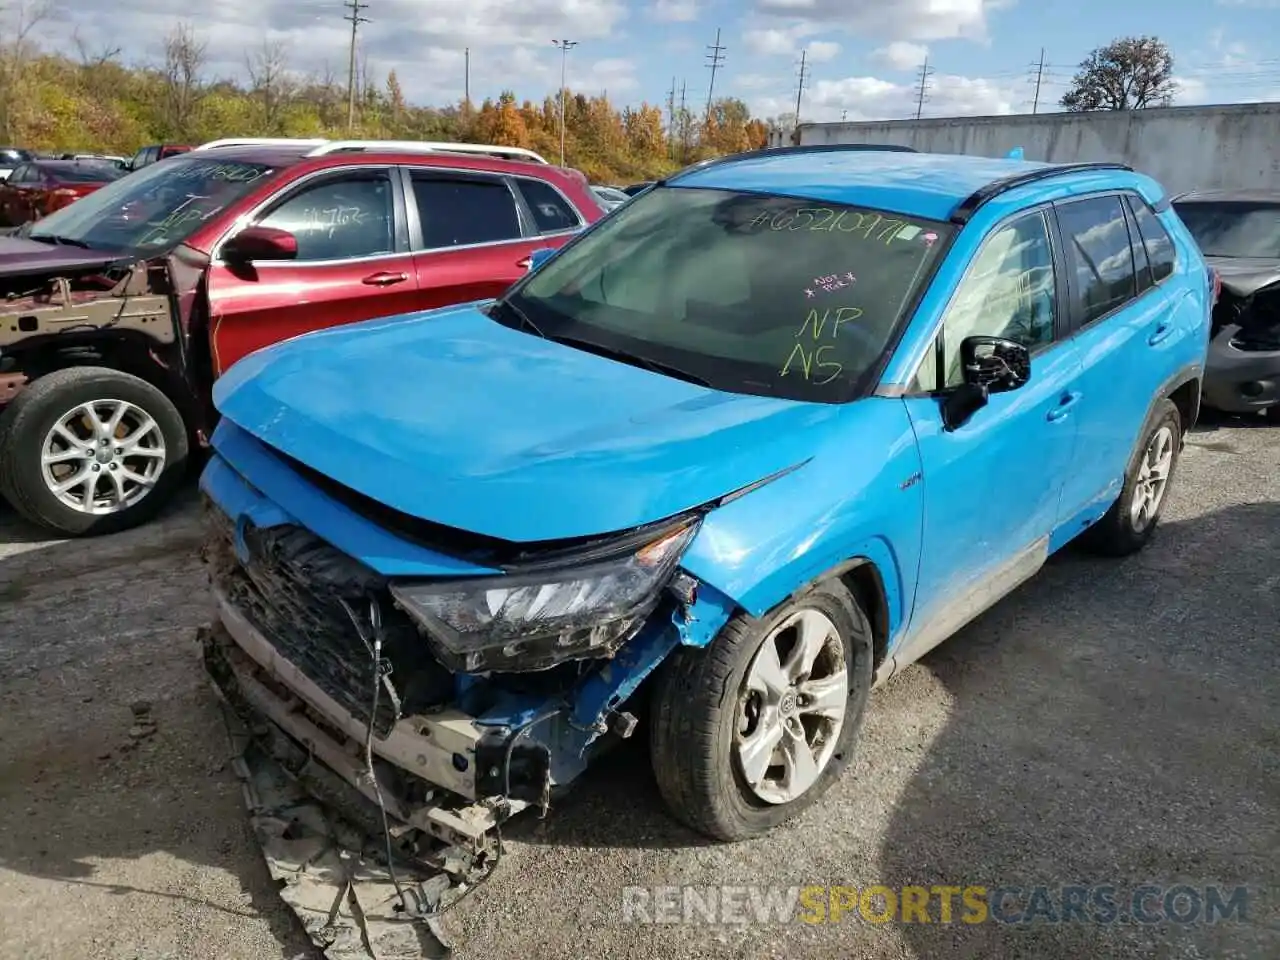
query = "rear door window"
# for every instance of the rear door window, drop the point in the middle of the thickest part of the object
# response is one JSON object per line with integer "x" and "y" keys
{"x": 457, "y": 211}
{"x": 1099, "y": 258}
{"x": 551, "y": 211}
{"x": 344, "y": 218}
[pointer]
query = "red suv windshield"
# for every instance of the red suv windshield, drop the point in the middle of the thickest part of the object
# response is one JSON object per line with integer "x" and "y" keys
{"x": 153, "y": 209}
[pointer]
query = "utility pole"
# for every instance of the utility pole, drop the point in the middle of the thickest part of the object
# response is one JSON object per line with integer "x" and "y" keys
{"x": 683, "y": 124}
{"x": 466, "y": 78}
{"x": 800, "y": 86}
{"x": 671, "y": 119}
{"x": 844, "y": 115}
{"x": 1035, "y": 102}
{"x": 715, "y": 60}
{"x": 565, "y": 46}
{"x": 355, "y": 7}
{"x": 925, "y": 73}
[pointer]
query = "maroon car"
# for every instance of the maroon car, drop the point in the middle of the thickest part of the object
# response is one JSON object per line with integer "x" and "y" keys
{"x": 39, "y": 187}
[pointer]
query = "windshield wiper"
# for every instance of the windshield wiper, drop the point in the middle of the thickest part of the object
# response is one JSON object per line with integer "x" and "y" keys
{"x": 520, "y": 315}
{"x": 645, "y": 363}
{"x": 62, "y": 241}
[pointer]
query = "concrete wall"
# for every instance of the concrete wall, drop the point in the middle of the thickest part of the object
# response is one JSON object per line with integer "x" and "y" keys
{"x": 1183, "y": 147}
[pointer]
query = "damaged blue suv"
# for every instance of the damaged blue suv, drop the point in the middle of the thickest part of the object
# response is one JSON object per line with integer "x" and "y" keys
{"x": 734, "y": 456}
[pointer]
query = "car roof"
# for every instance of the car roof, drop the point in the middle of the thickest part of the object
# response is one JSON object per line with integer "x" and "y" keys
{"x": 285, "y": 156}
{"x": 926, "y": 185}
{"x": 1229, "y": 196}
{"x": 82, "y": 164}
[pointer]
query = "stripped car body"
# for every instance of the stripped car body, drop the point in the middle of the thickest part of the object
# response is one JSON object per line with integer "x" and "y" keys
{"x": 459, "y": 585}
{"x": 118, "y": 312}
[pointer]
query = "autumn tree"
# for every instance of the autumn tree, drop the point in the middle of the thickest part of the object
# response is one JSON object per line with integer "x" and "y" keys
{"x": 270, "y": 83}
{"x": 1127, "y": 74}
{"x": 184, "y": 59}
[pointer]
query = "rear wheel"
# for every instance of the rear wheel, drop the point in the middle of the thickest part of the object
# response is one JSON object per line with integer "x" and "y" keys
{"x": 1132, "y": 519}
{"x": 752, "y": 730}
{"x": 89, "y": 450}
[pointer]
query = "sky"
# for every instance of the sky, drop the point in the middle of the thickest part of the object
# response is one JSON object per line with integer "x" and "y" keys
{"x": 862, "y": 57}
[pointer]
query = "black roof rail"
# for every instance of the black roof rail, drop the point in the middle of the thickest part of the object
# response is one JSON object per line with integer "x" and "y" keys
{"x": 791, "y": 152}
{"x": 967, "y": 207}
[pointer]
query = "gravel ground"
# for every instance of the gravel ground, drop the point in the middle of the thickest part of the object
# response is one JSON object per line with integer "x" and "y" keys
{"x": 1111, "y": 723}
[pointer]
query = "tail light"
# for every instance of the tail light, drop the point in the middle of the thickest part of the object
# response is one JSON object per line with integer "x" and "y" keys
{"x": 1215, "y": 280}
{"x": 65, "y": 193}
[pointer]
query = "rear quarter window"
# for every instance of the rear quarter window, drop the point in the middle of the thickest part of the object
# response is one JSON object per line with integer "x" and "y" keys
{"x": 551, "y": 211}
{"x": 1155, "y": 239}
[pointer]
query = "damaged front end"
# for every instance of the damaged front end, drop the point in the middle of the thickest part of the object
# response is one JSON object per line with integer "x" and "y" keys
{"x": 419, "y": 713}
{"x": 1243, "y": 370}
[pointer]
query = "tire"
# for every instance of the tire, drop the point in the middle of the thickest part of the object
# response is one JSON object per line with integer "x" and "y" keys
{"x": 700, "y": 700}
{"x": 1120, "y": 533}
{"x": 26, "y": 427}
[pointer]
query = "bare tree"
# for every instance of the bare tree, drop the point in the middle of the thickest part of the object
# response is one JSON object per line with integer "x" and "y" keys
{"x": 17, "y": 22}
{"x": 271, "y": 82}
{"x": 184, "y": 59}
{"x": 1127, "y": 74}
{"x": 93, "y": 56}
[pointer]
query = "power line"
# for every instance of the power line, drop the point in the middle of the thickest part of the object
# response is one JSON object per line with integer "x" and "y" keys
{"x": 355, "y": 7}
{"x": 715, "y": 59}
{"x": 925, "y": 73}
{"x": 800, "y": 85}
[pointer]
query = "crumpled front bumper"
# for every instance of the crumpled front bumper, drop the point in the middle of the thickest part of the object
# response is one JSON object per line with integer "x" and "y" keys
{"x": 316, "y": 813}
{"x": 1240, "y": 381}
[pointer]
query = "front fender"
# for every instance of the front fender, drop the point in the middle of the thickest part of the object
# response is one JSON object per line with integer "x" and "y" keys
{"x": 858, "y": 497}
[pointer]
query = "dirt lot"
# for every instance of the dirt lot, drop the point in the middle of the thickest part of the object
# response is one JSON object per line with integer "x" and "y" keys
{"x": 1111, "y": 723}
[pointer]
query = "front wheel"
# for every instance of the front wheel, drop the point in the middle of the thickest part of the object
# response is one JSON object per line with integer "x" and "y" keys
{"x": 750, "y": 731}
{"x": 90, "y": 450}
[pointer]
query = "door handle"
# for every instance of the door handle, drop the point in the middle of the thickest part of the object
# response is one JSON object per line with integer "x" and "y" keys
{"x": 1065, "y": 403}
{"x": 384, "y": 279}
{"x": 525, "y": 264}
{"x": 1163, "y": 329}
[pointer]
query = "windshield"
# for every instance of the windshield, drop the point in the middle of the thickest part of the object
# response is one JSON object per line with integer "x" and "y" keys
{"x": 747, "y": 293}
{"x": 1233, "y": 229}
{"x": 153, "y": 209}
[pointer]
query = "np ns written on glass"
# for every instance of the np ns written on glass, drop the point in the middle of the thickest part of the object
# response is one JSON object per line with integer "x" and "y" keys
{"x": 748, "y": 293}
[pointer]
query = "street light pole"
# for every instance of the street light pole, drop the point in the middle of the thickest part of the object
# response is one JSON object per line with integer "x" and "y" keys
{"x": 565, "y": 46}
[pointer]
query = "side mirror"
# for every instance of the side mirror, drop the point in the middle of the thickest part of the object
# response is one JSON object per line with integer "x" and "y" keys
{"x": 539, "y": 257}
{"x": 990, "y": 365}
{"x": 260, "y": 243}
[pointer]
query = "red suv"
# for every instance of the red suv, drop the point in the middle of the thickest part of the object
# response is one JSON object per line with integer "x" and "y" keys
{"x": 119, "y": 310}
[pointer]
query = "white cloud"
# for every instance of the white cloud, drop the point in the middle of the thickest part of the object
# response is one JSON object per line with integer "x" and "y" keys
{"x": 423, "y": 40}
{"x": 775, "y": 42}
{"x": 901, "y": 20}
{"x": 901, "y": 55}
{"x": 871, "y": 98}
{"x": 820, "y": 51}
{"x": 1190, "y": 91}
{"x": 675, "y": 11}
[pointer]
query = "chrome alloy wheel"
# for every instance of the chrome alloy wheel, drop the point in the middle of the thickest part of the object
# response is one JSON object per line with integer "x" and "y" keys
{"x": 1153, "y": 478}
{"x": 791, "y": 707}
{"x": 103, "y": 456}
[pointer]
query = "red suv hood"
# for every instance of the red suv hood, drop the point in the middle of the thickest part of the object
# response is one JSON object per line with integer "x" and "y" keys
{"x": 19, "y": 256}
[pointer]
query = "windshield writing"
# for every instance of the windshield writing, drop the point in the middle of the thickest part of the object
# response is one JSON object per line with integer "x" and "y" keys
{"x": 156, "y": 208}
{"x": 753, "y": 294}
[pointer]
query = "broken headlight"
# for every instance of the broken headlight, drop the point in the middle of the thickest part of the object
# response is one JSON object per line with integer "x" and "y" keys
{"x": 535, "y": 620}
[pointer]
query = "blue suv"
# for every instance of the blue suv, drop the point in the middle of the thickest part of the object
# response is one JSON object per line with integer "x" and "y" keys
{"x": 725, "y": 462}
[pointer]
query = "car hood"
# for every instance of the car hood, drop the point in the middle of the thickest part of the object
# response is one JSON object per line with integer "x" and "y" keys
{"x": 1245, "y": 276}
{"x": 451, "y": 417}
{"x": 20, "y": 256}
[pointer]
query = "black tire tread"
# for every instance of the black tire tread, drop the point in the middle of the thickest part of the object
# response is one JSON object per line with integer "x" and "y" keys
{"x": 26, "y": 406}
{"x": 678, "y": 731}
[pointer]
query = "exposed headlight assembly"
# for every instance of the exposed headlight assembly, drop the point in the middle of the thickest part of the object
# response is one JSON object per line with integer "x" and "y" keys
{"x": 533, "y": 621}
